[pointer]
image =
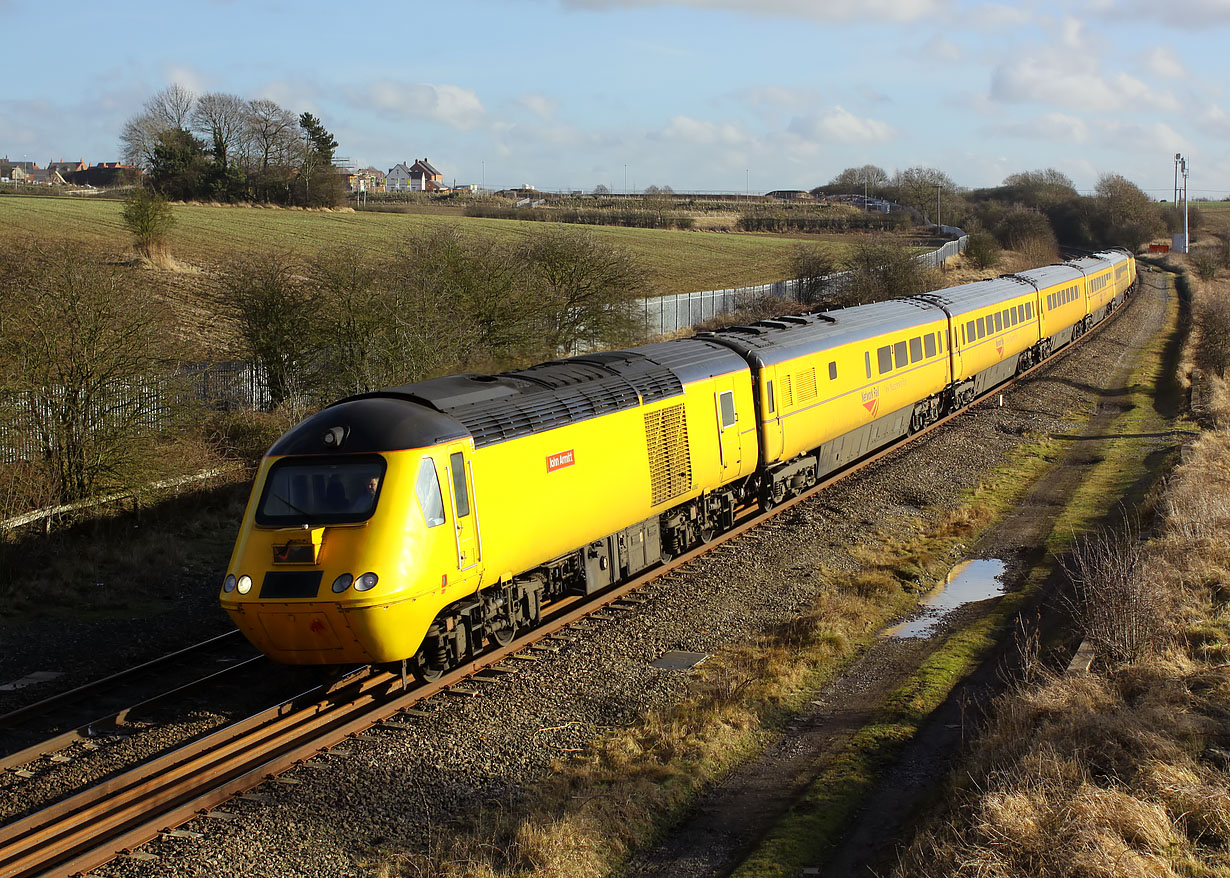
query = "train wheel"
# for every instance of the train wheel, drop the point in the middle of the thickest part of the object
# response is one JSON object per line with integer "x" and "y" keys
{"x": 424, "y": 672}
{"x": 503, "y": 634}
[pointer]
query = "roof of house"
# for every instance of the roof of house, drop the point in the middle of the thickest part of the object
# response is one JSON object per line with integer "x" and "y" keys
{"x": 425, "y": 166}
{"x": 403, "y": 167}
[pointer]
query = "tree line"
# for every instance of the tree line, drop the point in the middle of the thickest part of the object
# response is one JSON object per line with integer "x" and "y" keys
{"x": 1027, "y": 208}
{"x": 222, "y": 147}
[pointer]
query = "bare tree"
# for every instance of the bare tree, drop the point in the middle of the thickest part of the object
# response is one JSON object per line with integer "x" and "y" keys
{"x": 274, "y": 132}
{"x": 814, "y": 267}
{"x": 168, "y": 109}
{"x": 79, "y": 347}
{"x": 586, "y": 288}
{"x": 918, "y": 188}
{"x": 1126, "y": 215}
{"x": 223, "y": 119}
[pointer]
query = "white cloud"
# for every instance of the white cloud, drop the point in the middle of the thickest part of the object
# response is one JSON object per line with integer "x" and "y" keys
{"x": 1162, "y": 61}
{"x": 1050, "y": 127}
{"x": 816, "y": 10}
{"x": 840, "y": 125}
{"x": 1215, "y": 121}
{"x": 700, "y": 132}
{"x": 451, "y": 105}
{"x": 1073, "y": 80}
{"x": 540, "y": 105}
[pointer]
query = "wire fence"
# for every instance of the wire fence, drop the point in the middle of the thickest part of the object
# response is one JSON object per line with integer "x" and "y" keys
{"x": 667, "y": 314}
{"x": 154, "y": 402}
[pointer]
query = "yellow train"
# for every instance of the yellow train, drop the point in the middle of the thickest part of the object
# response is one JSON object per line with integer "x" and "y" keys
{"x": 416, "y": 524}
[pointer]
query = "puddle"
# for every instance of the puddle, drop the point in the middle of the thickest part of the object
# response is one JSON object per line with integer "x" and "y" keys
{"x": 969, "y": 581}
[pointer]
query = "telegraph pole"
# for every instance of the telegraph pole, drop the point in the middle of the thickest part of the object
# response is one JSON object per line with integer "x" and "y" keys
{"x": 1186, "y": 239}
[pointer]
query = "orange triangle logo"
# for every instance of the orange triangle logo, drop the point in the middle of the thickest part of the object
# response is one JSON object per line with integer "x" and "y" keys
{"x": 872, "y": 405}
{"x": 999, "y": 347}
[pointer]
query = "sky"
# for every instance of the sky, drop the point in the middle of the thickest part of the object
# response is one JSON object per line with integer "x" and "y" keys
{"x": 712, "y": 95}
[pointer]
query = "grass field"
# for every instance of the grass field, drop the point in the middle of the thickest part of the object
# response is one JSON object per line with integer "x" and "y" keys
{"x": 204, "y": 236}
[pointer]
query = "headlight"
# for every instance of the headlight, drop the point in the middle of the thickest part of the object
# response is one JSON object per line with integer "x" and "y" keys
{"x": 228, "y": 584}
{"x": 245, "y": 584}
{"x": 366, "y": 581}
{"x": 342, "y": 583}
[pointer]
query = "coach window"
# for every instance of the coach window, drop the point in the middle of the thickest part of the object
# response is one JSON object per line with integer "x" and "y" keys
{"x": 1029, "y": 310}
{"x": 833, "y": 371}
{"x": 1020, "y": 314}
{"x": 916, "y": 349}
{"x": 982, "y": 327}
{"x": 768, "y": 392}
{"x": 427, "y": 490}
{"x": 999, "y": 322}
{"x": 884, "y": 357}
{"x": 460, "y": 494}
{"x": 867, "y": 362}
{"x": 971, "y": 331}
{"x": 899, "y": 354}
{"x": 929, "y": 344}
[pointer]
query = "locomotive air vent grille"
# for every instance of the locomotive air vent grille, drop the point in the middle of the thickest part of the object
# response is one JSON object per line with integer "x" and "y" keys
{"x": 787, "y": 392}
{"x": 807, "y": 384}
{"x": 670, "y": 463}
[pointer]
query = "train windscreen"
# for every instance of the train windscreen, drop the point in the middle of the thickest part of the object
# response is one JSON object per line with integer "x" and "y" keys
{"x": 313, "y": 491}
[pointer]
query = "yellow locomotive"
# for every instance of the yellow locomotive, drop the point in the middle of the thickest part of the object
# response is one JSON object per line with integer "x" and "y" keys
{"x": 418, "y": 523}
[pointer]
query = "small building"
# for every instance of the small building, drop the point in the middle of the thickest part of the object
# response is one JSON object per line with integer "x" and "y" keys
{"x": 425, "y": 178}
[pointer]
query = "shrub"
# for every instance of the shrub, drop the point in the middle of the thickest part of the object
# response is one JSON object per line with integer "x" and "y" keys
{"x": 149, "y": 218}
{"x": 983, "y": 250}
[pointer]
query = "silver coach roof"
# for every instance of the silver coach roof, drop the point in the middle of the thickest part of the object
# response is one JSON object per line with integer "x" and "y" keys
{"x": 774, "y": 341}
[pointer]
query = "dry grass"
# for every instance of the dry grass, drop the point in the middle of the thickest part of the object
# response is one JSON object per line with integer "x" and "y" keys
{"x": 618, "y": 794}
{"x": 1122, "y": 772}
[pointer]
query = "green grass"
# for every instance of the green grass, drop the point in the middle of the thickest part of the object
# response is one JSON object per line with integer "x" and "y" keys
{"x": 204, "y": 235}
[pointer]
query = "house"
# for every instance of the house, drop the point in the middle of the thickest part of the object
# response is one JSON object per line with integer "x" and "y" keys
{"x": 17, "y": 170}
{"x": 419, "y": 177}
{"x": 370, "y": 180}
{"x": 398, "y": 178}
{"x": 64, "y": 168}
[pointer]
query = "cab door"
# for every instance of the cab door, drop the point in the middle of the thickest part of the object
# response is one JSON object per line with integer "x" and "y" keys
{"x": 460, "y": 479}
{"x": 729, "y": 447}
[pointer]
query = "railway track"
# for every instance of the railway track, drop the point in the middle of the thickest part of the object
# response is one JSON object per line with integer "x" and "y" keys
{"x": 92, "y": 827}
{"x": 110, "y": 705}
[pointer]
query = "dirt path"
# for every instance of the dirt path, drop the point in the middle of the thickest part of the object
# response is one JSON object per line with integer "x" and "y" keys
{"x": 728, "y": 821}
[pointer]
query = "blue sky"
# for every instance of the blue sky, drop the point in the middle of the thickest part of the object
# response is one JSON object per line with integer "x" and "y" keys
{"x": 694, "y": 94}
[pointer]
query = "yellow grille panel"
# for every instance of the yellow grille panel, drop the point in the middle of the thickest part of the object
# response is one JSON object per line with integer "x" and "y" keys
{"x": 807, "y": 385}
{"x": 670, "y": 463}
{"x": 787, "y": 392}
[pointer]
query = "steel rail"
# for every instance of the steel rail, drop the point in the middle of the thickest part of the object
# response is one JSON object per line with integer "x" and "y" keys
{"x": 92, "y": 827}
{"x": 115, "y": 719}
{"x": 16, "y": 717}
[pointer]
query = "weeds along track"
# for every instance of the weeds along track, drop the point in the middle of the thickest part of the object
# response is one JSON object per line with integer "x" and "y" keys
{"x": 142, "y": 803}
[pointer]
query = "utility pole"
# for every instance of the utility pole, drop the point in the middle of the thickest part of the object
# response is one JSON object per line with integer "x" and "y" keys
{"x": 1186, "y": 239}
{"x": 937, "y": 204}
{"x": 1177, "y": 158}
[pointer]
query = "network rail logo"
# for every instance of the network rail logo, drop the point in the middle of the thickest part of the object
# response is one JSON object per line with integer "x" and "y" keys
{"x": 871, "y": 401}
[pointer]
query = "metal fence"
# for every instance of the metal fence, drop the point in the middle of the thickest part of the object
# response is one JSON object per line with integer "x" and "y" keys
{"x": 152, "y": 402}
{"x": 667, "y": 314}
